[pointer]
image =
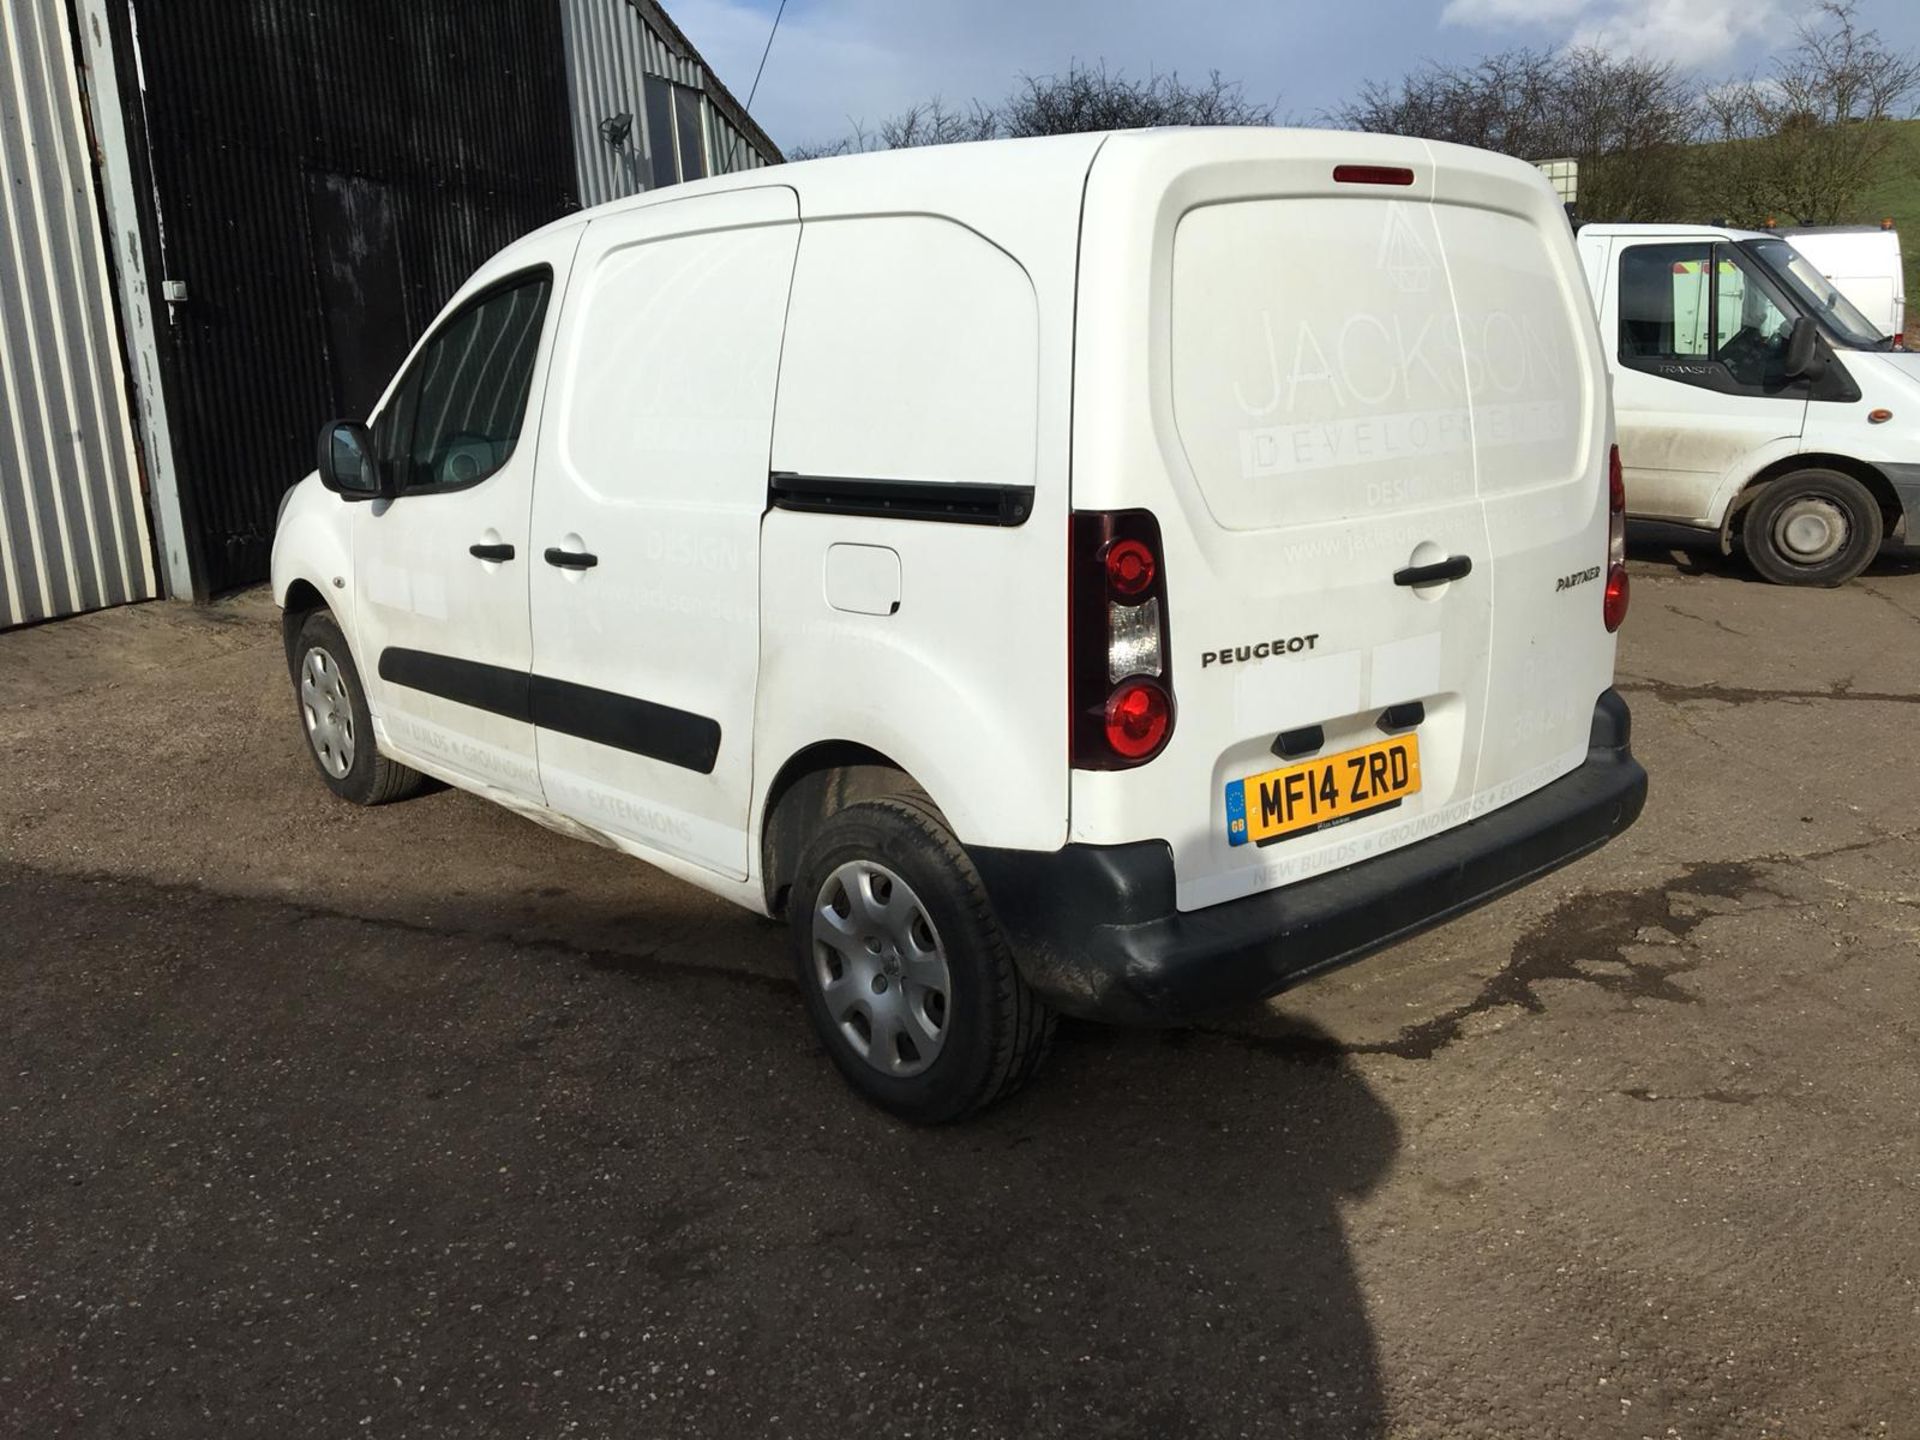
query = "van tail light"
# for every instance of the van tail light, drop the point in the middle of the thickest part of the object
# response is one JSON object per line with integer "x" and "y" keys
{"x": 1614, "y": 602}
{"x": 1120, "y": 665}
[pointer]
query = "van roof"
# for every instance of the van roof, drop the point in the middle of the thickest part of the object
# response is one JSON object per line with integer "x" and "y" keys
{"x": 894, "y": 179}
{"x": 1838, "y": 230}
{"x": 1679, "y": 230}
{"x": 872, "y": 175}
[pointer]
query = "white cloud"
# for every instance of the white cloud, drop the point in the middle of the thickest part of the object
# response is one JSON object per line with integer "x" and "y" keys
{"x": 1502, "y": 14}
{"x": 1687, "y": 32}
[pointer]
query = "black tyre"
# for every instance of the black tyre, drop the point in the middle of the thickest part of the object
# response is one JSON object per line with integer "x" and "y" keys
{"x": 332, "y": 705}
{"x": 1813, "y": 527}
{"x": 907, "y": 977}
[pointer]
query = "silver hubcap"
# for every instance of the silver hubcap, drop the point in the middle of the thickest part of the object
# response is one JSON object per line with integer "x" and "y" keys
{"x": 881, "y": 967}
{"x": 1810, "y": 529}
{"x": 328, "y": 712}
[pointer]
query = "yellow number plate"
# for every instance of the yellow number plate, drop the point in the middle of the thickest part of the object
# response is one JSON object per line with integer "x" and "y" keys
{"x": 1329, "y": 791}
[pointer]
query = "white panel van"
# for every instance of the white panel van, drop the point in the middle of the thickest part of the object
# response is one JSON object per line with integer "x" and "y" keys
{"x": 1754, "y": 401}
{"x": 1115, "y": 575}
{"x": 1864, "y": 264}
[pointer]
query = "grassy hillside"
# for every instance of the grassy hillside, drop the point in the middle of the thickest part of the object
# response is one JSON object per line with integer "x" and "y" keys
{"x": 1898, "y": 194}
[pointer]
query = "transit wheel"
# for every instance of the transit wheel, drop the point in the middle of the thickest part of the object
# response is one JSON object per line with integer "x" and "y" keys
{"x": 1813, "y": 527}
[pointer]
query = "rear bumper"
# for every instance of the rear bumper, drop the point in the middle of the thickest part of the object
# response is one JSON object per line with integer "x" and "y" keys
{"x": 1098, "y": 935}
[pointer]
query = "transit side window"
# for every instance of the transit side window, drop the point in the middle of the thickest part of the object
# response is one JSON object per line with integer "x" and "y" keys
{"x": 1707, "y": 305}
{"x": 1664, "y": 303}
{"x": 457, "y": 415}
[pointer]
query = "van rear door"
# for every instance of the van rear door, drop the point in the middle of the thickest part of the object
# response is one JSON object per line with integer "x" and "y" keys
{"x": 1541, "y": 442}
{"x": 1342, "y": 347}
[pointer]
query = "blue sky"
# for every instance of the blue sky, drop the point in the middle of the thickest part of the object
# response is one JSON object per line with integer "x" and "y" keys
{"x": 841, "y": 60}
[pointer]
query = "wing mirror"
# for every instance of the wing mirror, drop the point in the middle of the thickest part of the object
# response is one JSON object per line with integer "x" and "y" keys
{"x": 348, "y": 465}
{"x": 1804, "y": 359}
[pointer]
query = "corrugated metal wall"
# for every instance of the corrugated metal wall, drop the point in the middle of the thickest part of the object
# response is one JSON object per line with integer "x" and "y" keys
{"x": 73, "y": 526}
{"x": 610, "y": 48}
{"x": 321, "y": 177}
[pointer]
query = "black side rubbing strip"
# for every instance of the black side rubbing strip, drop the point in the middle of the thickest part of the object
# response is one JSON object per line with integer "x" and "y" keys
{"x": 957, "y": 504}
{"x": 467, "y": 682}
{"x": 661, "y": 732}
{"x": 640, "y": 727}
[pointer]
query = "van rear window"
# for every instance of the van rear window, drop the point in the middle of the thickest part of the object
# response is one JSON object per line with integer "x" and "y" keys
{"x": 1320, "y": 369}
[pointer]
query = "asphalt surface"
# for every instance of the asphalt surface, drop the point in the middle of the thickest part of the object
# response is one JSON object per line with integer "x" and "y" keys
{"x": 424, "y": 1121}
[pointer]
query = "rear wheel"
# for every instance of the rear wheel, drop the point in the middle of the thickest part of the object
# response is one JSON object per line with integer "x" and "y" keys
{"x": 1813, "y": 527}
{"x": 907, "y": 977}
{"x": 334, "y": 716}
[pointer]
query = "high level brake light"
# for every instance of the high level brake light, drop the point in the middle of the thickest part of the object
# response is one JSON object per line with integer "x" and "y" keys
{"x": 1120, "y": 683}
{"x": 1614, "y": 602}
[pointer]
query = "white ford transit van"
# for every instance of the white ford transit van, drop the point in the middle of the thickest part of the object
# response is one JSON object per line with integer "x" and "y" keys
{"x": 1753, "y": 400}
{"x": 1114, "y": 575}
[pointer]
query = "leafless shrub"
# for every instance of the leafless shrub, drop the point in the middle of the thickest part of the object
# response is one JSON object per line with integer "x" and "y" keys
{"x": 1804, "y": 140}
{"x": 1626, "y": 120}
{"x": 1084, "y": 97}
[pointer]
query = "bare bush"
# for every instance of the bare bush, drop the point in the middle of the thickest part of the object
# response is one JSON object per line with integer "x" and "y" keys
{"x": 1626, "y": 120}
{"x": 1804, "y": 140}
{"x": 1083, "y": 98}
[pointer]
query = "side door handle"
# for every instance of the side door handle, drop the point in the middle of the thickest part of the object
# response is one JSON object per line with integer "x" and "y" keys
{"x": 571, "y": 559}
{"x": 490, "y": 552}
{"x": 1454, "y": 567}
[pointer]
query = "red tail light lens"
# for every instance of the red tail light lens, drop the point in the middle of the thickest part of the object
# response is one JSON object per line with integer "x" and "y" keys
{"x": 1139, "y": 715}
{"x": 1614, "y": 605}
{"x": 1120, "y": 682}
{"x": 1130, "y": 567}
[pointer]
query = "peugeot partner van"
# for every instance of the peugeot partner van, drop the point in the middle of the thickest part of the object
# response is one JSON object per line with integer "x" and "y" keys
{"x": 1112, "y": 575}
{"x": 1754, "y": 401}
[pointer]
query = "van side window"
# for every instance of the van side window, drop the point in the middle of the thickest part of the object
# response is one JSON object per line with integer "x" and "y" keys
{"x": 1702, "y": 303}
{"x": 456, "y": 417}
{"x": 1664, "y": 306}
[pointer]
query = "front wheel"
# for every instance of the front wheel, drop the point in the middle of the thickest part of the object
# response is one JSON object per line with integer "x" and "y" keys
{"x": 907, "y": 977}
{"x": 338, "y": 725}
{"x": 1813, "y": 527}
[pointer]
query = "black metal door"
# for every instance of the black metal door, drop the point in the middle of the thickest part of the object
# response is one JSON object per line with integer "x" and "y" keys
{"x": 363, "y": 295}
{"x": 322, "y": 178}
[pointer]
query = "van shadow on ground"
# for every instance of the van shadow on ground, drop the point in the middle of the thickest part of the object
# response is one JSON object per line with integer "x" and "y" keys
{"x": 399, "y": 1181}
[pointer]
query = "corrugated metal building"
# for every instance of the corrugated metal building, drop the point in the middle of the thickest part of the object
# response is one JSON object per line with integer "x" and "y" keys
{"x": 290, "y": 192}
{"x": 646, "y": 110}
{"x": 73, "y": 527}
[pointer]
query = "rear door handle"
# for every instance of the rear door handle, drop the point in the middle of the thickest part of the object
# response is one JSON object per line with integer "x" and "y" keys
{"x": 571, "y": 559}
{"x": 490, "y": 552}
{"x": 1454, "y": 567}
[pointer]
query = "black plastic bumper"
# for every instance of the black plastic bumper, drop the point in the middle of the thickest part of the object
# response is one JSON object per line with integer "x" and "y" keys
{"x": 1905, "y": 480}
{"x": 1097, "y": 932}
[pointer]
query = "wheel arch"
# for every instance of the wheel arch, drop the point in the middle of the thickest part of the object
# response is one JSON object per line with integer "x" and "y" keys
{"x": 813, "y": 783}
{"x": 303, "y": 598}
{"x": 1892, "y": 514}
